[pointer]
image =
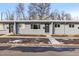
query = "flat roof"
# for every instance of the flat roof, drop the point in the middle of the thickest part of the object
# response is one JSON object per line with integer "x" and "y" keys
{"x": 7, "y": 21}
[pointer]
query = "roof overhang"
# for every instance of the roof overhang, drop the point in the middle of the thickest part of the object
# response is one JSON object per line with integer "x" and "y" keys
{"x": 27, "y": 21}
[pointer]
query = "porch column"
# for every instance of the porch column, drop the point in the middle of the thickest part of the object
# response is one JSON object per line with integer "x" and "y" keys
{"x": 14, "y": 28}
{"x": 51, "y": 28}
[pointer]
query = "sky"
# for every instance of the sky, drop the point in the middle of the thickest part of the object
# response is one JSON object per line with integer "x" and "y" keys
{"x": 72, "y": 8}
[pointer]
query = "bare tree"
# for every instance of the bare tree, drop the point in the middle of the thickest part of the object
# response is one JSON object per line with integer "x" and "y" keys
{"x": 32, "y": 12}
{"x": 20, "y": 11}
{"x": 1, "y": 15}
{"x": 7, "y": 15}
{"x": 55, "y": 15}
{"x": 62, "y": 15}
{"x": 39, "y": 11}
{"x": 65, "y": 16}
{"x": 68, "y": 16}
{"x": 11, "y": 17}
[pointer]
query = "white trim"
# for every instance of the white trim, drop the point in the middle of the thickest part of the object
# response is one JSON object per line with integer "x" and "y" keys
{"x": 39, "y": 20}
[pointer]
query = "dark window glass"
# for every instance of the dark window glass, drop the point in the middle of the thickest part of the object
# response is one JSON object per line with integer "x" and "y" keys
{"x": 71, "y": 25}
{"x": 35, "y": 26}
{"x": 57, "y": 25}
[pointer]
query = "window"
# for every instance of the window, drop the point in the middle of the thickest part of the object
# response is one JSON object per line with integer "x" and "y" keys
{"x": 57, "y": 25}
{"x": 35, "y": 26}
{"x": 71, "y": 25}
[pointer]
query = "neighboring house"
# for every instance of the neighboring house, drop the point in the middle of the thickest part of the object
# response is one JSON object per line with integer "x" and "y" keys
{"x": 39, "y": 26}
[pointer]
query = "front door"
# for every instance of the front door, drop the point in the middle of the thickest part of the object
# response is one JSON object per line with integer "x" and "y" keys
{"x": 11, "y": 28}
{"x": 46, "y": 28}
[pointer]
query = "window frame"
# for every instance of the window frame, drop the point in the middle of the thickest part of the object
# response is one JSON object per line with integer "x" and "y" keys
{"x": 35, "y": 26}
{"x": 57, "y": 25}
{"x": 71, "y": 25}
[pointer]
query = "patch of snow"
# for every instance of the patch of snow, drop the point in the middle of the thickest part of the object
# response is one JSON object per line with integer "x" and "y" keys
{"x": 16, "y": 41}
